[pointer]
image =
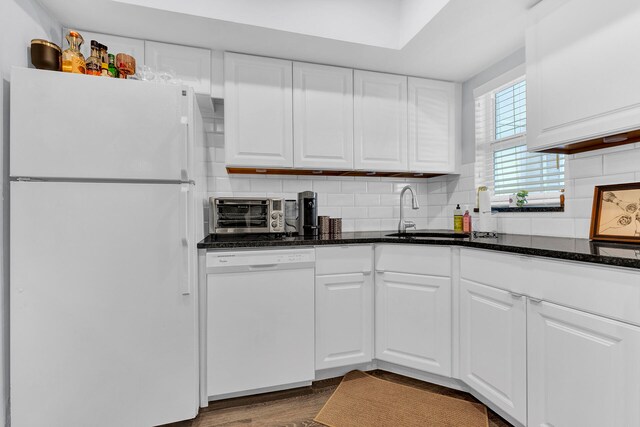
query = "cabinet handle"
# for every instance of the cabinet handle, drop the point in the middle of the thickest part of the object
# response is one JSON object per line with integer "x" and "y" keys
{"x": 535, "y": 300}
{"x": 516, "y": 295}
{"x": 366, "y": 272}
{"x": 380, "y": 271}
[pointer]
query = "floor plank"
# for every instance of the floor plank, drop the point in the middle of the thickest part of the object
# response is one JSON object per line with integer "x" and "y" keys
{"x": 297, "y": 408}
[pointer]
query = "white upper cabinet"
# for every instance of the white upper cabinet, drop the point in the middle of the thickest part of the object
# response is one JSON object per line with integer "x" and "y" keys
{"x": 380, "y": 121}
{"x": 433, "y": 125}
{"x": 190, "y": 64}
{"x": 258, "y": 111}
{"x": 115, "y": 44}
{"x": 583, "y": 369}
{"x": 322, "y": 116}
{"x": 582, "y": 71}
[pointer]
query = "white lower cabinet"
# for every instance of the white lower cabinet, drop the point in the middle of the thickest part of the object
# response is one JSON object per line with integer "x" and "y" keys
{"x": 413, "y": 321}
{"x": 344, "y": 306}
{"x": 583, "y": 369}
{"x": 493, "y": 346}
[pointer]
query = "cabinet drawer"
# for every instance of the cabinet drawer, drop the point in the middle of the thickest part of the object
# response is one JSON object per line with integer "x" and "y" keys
{"x": 607, "y": 291}
{"x": 503, "y": 271}
{"x": 344, "y": 259}
{"x": 414, "y": 259}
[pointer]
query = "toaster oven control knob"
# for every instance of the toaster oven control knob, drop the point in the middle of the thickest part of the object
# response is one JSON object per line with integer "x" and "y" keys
{"x": 274, "y": 224}
{"x": 274, "y": 215}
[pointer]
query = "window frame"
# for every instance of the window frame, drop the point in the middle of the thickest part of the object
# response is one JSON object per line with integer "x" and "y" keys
{"x": 489, "y": 144}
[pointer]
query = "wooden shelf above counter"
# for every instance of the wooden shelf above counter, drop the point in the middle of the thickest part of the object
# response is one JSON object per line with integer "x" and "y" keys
{"x": 271, "y": 171}
{"x": 597, "y": 143}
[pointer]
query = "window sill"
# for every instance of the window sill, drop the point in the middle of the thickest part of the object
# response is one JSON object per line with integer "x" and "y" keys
{"x": 527, "y": 209}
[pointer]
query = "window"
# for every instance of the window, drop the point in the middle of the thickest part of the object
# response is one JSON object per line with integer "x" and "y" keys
{"x": 502, "y": 161}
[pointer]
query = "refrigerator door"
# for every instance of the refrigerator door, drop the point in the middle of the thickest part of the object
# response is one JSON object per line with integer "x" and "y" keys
{"x": 103, "y": 317}
{"x": 67, "y": 125}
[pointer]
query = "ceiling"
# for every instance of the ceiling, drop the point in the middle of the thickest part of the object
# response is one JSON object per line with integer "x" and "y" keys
{"x": 441, "y": 39}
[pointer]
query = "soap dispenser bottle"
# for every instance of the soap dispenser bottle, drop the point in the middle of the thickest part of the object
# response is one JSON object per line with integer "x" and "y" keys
{"x": 466, "y": 220}
{"x": 457, "y": 219}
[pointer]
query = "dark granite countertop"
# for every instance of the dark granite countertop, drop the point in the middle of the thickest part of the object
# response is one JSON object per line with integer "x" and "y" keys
{"x": 620, "y": 255}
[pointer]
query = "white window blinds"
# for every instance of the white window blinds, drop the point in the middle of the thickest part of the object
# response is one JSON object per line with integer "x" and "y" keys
{"x": 502, "y": 161}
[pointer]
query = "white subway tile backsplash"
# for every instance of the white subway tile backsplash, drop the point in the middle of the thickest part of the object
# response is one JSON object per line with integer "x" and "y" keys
{"x": 326, "y": 186}
{"x": 354, "y": 212}
{"x": 584, "y": 167}
{"x": 353, "y": 187}
{"x": 340, "y": 200}
{"x": 381, "y": 187}
{"x": 626, "y": 161}
{"x": 367, "y": 199}
{"x": 266, "y": 185}
{"x": 553, "y": 227}
{"x": 381, "y": 212}
{"x": 584, "y": 187}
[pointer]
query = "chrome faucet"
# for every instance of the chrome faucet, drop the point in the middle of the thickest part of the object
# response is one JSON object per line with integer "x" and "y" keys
{"x": 404, "y": 224}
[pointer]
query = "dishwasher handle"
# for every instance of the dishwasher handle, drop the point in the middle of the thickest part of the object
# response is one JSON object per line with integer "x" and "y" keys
{"x": 259, "y": 267}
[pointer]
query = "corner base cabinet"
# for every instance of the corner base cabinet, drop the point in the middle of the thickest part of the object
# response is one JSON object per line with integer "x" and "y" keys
{"x": 493, "y": 345}
{"x": 584, "y": 370}
{"x": 413, "y": 307}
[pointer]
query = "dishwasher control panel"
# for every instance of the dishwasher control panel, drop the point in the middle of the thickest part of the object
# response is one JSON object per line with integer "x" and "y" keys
{"x": 258, "y": 258}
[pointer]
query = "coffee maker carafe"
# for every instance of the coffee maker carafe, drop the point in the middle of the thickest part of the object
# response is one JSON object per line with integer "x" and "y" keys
{"x": 308, "y": 213}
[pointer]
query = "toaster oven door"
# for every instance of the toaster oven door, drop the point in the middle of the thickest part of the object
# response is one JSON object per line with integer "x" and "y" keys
{"x": 241, "y": 216}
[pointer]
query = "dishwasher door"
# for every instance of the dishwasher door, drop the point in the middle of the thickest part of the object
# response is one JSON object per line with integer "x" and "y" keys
{"x": 260, "y": 321}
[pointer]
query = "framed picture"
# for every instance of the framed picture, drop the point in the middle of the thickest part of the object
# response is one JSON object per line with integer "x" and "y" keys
{"x": 616, "y": 213}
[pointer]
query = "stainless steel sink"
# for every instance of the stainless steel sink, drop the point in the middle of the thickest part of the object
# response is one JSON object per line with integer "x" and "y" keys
{"x": 430, "y": 234}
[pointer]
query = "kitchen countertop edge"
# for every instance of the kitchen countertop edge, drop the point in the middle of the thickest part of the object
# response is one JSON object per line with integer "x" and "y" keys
{"x": 502, "y": 243}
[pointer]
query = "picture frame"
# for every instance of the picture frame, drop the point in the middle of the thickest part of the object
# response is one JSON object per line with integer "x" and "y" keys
{"x": 615, "y": 216}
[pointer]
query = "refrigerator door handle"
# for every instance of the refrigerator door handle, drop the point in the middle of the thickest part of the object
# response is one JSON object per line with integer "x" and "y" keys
{"x": 184, "y": 120}
{"x": 186, "y": 247}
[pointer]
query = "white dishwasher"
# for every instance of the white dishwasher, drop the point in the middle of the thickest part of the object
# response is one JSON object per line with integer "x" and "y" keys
{"x": 260, "y": 321}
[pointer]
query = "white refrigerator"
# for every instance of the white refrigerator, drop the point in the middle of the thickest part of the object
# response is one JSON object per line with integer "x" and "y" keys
{"x": 107, "y": 186}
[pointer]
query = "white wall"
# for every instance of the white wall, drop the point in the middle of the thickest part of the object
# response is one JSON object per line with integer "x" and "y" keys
{"x": 20, "y": 21}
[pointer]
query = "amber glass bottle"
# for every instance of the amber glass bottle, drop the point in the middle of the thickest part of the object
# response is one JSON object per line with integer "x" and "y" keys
{"x": 72, "y": 58}
{"x": 94, "y": 63}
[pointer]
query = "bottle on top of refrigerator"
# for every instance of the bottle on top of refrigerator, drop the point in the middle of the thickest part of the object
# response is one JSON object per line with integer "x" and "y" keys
{"x": 466, "y": 220}
{"x": 94, "y": 63}
{"x": 104, "y": 61}
{"x": 72, "y": 58}
{"x": 113, "y": 71}
{"x": 457, "y": 219}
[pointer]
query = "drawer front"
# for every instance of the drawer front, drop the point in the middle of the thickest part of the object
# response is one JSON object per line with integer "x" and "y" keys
{"x": 344, "y": 259}
{"x": 606, "y": 291}
{"x": 414, "y": 259}
{"x": 499, "y": 270}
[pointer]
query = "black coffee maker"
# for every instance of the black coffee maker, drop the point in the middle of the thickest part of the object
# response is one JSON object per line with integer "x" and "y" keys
{"x": 308, "y": 213}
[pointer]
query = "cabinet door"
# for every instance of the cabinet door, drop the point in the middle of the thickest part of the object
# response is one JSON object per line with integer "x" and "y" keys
{"x": 115, "y": 44}
{"x": 380, "y": 121}
{"x": 493, "y": 345}
{"x": 582, "y": 74}
{"x": 433, "y": 128}
{"x": 323, "y": 116}
{"x": 258, "y": 111}
{"x": 583, "y": 369}
{"x": 191, "y": 65}
{"x": 344, "y": 320}
{"x": 413, "y": 321}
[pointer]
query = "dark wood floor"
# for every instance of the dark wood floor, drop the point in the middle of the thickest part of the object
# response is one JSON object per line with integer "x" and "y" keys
{"x": 297, "y": 408}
